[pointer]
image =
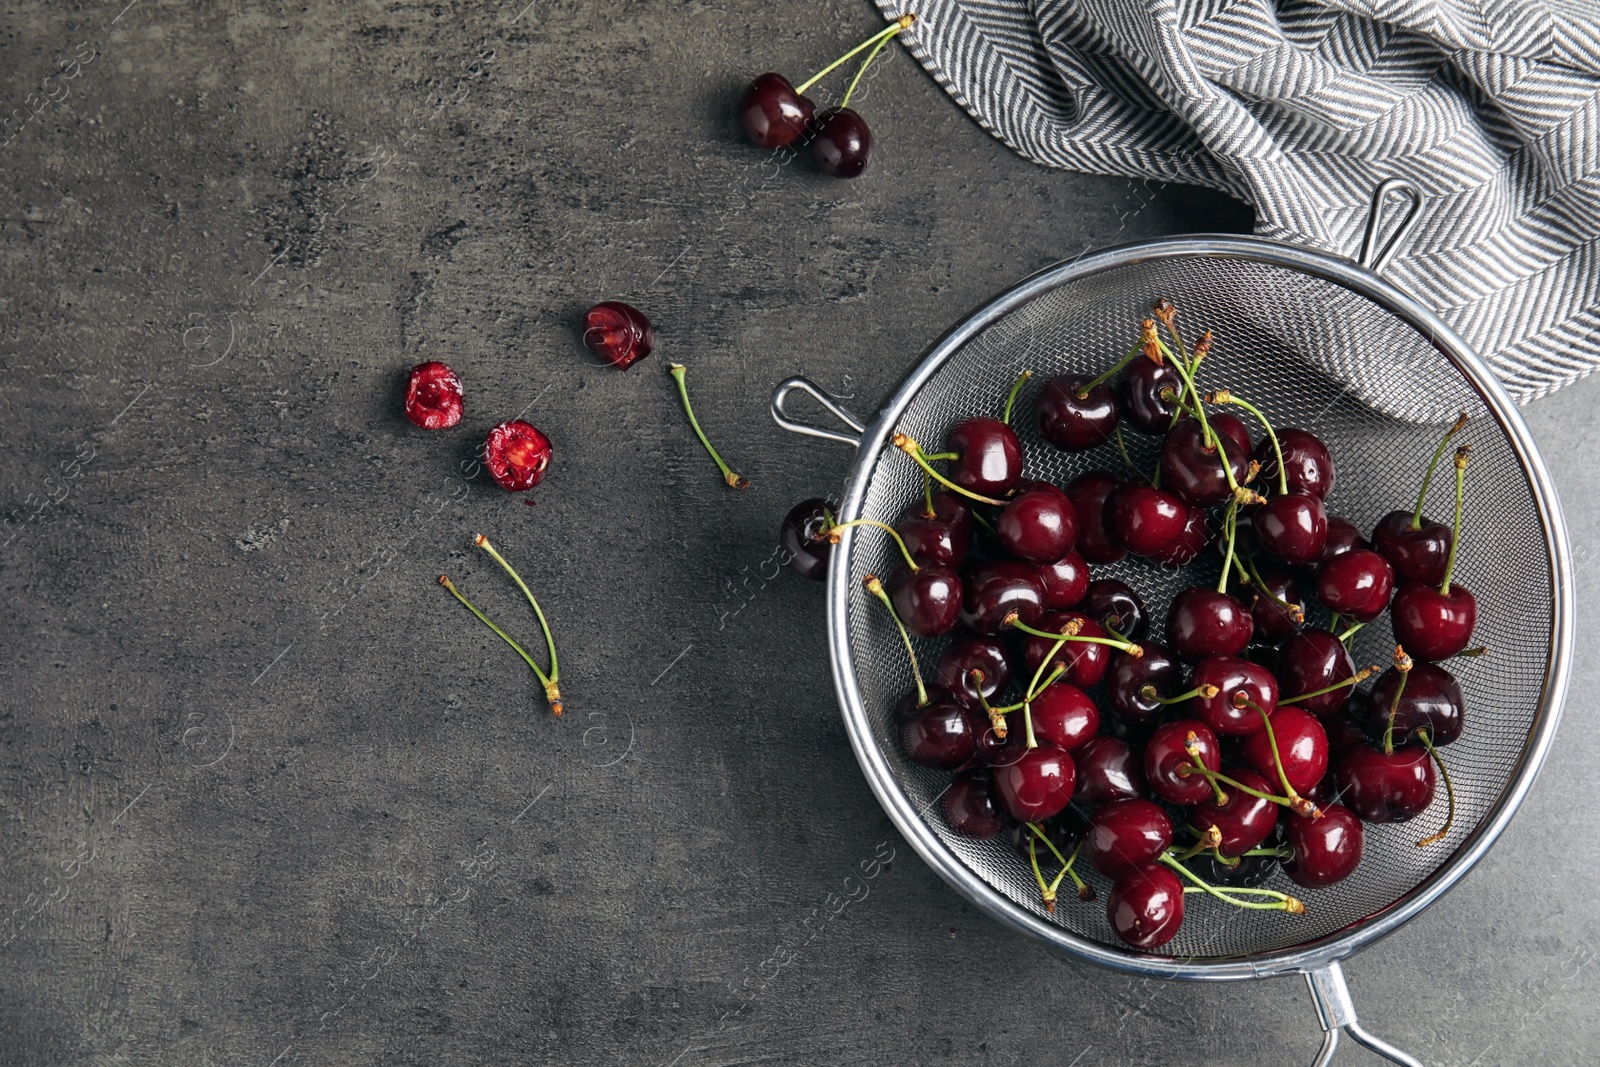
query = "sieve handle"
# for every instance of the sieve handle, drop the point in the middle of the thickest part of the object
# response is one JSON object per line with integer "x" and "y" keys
{"x": 780, "y": 396}
{"x": 1374, "y": 256}
{"x": 1336, "y": 1011}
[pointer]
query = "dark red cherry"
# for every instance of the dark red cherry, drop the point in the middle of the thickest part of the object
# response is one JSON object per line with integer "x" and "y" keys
{"x": 1236, "y": 680}
{"x": 1342, "y": 537}
{"x": 433, "y": 396}
{"x": 1073, "y": 417}
{"x": 1433, "y": 625}
{"x": 928, "y": 599}
{"x": 1108, "y": 769}
{"x": 1145, "y": 907}
{"x": 967, "y": 654}
{"x": 1039, "y": 525}
{"x": 1245, "y": 820}
{"x": 1306, "y": 462}
{"x": 1356, "y": 584}
{"x": 1203, "y": 622}
{"x": 1194, "y": 472}
{"x": 990, "y": 457}
{"x": 1431, "y": 701}
{"x": 993, "y": 589}
{"x": 1088, "y": 493}
{"x": 1145, "y": 519}
{"x": 1115, "y": 606}
{"x": 972, "y": 806}
{"x": 1274, "y": 624}
{"x": 517, "y": 455}
{"x": 1313, "y": 660}
{"x": 1189, "y": 542}
{"x": 1326, "y": 849}
{"x": 1294, "y": 528}
{"x": 1417, "y": 554}
{"x": 1382, "y": 787}
{"x": 1347, "y": 726}
{"x": 943, "y": 734}
{"x": 1064, "y": 831}
{"x": 1065, "y": 582}
{"x": 1127, "y": 676}
{"x": 1064, "y": 715}
{"x": 618, "y": 333}
{"x": 1038, "y": 784}
{"x": 1085, "y": 661}
{"x": 1149, "y": 392}
{"x": 1125, "y": 834}
{"x": 1233, "y": 429}
{"x": 1164, "y": 754}
{"x": 1302, "y": 744}
{"x": 772, "y": 113}
{"x": 945, "y": 537}
{"x": 801, "y": 537}
{"x": 841, "y": 143}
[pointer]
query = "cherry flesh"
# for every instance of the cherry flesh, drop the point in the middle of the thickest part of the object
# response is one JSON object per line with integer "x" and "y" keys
{"x": 1085, "y": 662}
{"x": 803, "y": 537}
{"x": 1302, "y": 745}
{"x": 942, "y": 734}
{"x": 1313, "y": 660}
{"x": 1189, "y": 542}
{"x": 1066, "y": 581}
{"x": 1088, "y": 493}
{"x": 1245, "y": 820}
{"x": 1306, "y": 462}
{"x": 842, "y": 143}
{"x": 1038, "y": 784}
{"x": 1165, "y": 753}
{"x": 433, "y": 396}
{"x": 1039, "y": 525}
{"x": 993, "y": 589}
{"x": 1293, "y": 527}
{"x": 965, "y": 655}
{"x": 989, "y": 457}
{"x": 618, "y": 333}
{"x": 1433, "y": 625}
{"x": 1108, "y": 769}
{"x": 1203, "y": 622}
{"x": 928, "y": 599}
{"x": 1115, "y": 606}
{"x": 1125, "y": 834}
{"x": 772, "y": 113}
{"x": 1073, "y": 422}
{"x": 1431, "y": 702}
{"x": 517, "y": 455}
{"x": 944, "y": 537}
{"x": 1356, "y": 584}
{"x": 1342, "y": 537}
{"x": 1273, "y": 623}
{"x": 1194, "y": 472}
{"x": 1145, "y": 907}
{"x": 1126, "y": 679}
{"x": 1326, "y": 849}
{"x": 1236, "y": 681}
{"x": 972, "y": 806}
{"x": 1386, "y": 787}
{"x": 1145, "y": 519}
{"x": 1417, "y": 555}
{"x": 1064, "y": 716}
{"x": 1142, "y": 390}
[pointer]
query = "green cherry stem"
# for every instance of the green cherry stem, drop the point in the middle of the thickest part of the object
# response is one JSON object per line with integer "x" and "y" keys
{"x": 1167, "y": 313}
{"x": 1416, "y": 513}
{"x": 875, "y": 587}
{"x": 1223, "y": 396}
{"x": 1122, "y": 446}
{"x": 927, "y": 496}
{"x": 1011, "y": 397}
{"x": 734, "y": 480}
{"x": 1189, "y": 770}
{"x": 1295, "y": 612}
{"x": 1351, "y": 632}
{"x": 1402, "y": 663}
{"x": 1016, "y": 623}
{"x": 1355, "y": 679}
{"x": 1046, "y": 893}
{"x": 1148, "y": 692}
{"x": 908, "y": 444}
{"x": 1449, "y": 792}
{"x": 1463, "y": 454}
{"x": 834, "y": 531}
{"x": 549, "y": 684}
{"x": 884, "y": 35}
{"x": 1280, "y": 901}
{"x": 1230, "y": 523}
{"x": 1299, "y": 804}
{"x": 552, "y": 691}
{"x": 1208, "y": 840}
{"x": 1087, "y": 387}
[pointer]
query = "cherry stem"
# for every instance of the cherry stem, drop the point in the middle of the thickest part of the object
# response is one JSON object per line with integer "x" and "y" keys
{"x": 1035, "y": 688}
{"x": 927, "y": 496}
{"x": 1230, "y": 523}
{"x": 1210, "y": 839}
{"x": 833, "y": 529}
{"x": 1333, "y": 623}
{"x": 1449, "y": 792}
{"x": 549, "y": 640}
{"x": 997, "y": 716}
{"x": 981, "y": 521}
{"x": 1206, "y": 435}
{"x": 1348, "y": 634}
{"x": 1122, "y": 646}
{"x": 1296, "y": 800}
{"x": 1148, "y": 692}
{"x": 902, "y": 23}
{"x": 1011, "y": 397}
{"x": 1191, "y": 745}
{"x": 1217, "y": 776}
{"x": 1402, "y": 663}
{"x": 552, "y": 693}
{"x": 1295, "y": 612}
{"x": 1355, "y": 679}
{"x": 875, "y": 587}
{"x": 939, "y": 456}
{"x": 1463, "y": 454}
{"x": 734, "y": 480}
{"x": 1474, "y": 652}
{"x": 1089, "y": 386}
{"x": 1047, "y": 893}
{"x": 908, "y": 444}
{"x": 1167, "y": 313}
{"x": 1416, "y": 513}
{"x": 1281, "y": 901}
{"x": 1122, "y": 446}
{"x": 1223, "y": 396}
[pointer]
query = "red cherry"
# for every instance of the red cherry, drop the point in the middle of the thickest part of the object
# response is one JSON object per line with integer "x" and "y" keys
{"x": 1356, "y": 583}
{"x": 941, "y": 734}
{"x": 1125, "y": 834}
{"x": 1085, "y": 661}
{"x": 1127, "y": 677}
{"x": 1038, "y": 784}
{"x": 1064, "y": 716}
{"x": 1307, "y": 464}
{"x": 618, "y": 333}
{"x": 928, "y": 599}
{"x": 1108, "y": 769}
{"x": 1294, "y": 528}
{"x": 517, "y": 455}
{"x": 1189, "y": 542}
{"x": 1145, "y": 519}
{"x": 842, "y": 144}
{"x": 1195, "y": 472}
{"x": 1302, "y": 743}
{"x": 993, "y": 589}
{"x": 1314, "y": 660}
{"x": 1115, "y": 606}
{"x": 1143, "y": 390}
{"x": 944, "y": 537}
{"x": 802, "y": 536}
{"x": 965, "y": 655}
{"x": 1342, "y": 537}
{"x": 1038, "y": 525}
{"x": 1165, "y": 753}
{"x": 1386, "y": 787}
{"x": 972, "y": 805}
{"x": 1203, "y": 622}
{"x": 1088, "y": 493}
{"x": 1145, "y": 907}
{"x": 1326, "y": 849}
{"x": 1433, "y": 625}
{"x": 433, "y": 396}
{"x": 1431, "y": 702}
{"x": 1065, "y": 582}
{"x": 772, "y": 113}
{"x": 1074, "y": 417}
{"x": 1245, "y": 820}
{"x": 1417, "y": 554}
{"x": 989, "y": 455}
{"x": 1236, "y": 680}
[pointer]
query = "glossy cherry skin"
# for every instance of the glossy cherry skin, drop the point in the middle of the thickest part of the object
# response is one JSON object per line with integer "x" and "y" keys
{"x": 772, "y": 113}
{"x": 1164, "y": 753}
{"x": 1088, "y": 493}
{"x": 1431, "y": 624}
{"x": 1356, "y": 584}
{"x": 1417, "y": 555}
{"x": 1126, "y": 677}
{"x": 1431, "y": 702}
{"x": 1085, "y": 661}
{"x": 1065, "y": 581}
{"x": 1342, "y": 537}
{"x": 801, "y": 537}
{"x": 1145, "y": 519}
{"x": 1307, "y": 464}
{"x": 1038, "y": 784}
{"x": 945, "y": 537}
{"x": 943, "y": 734}
{"x": 1313, "y": 660}
{"x": 433, "y": 396}
{"x": 1064, "y": 831}
{"x": 1386, "y": 788}
{"x": 1075, "y": 423}
{"x": 1145, "y": 907}
{"x": 1326, "y": 849}
{"x": 1189, "y": 542}
{"x": 1039, "y": 525}
{"x": 993, "y": 589}
{"x": 517, "y": 455}
{"x": 1195, "y": 473}
{"x": 1273, "y": 624}
{"x": 1245, "y": 821}
{"x": 972, "y": 805}
{"x": 967, "y": 654}
{"x": 990, "y": 462}
{"x": 1115, "y": 606}
{"x": 618, "y": 333}
{"x": 928, "y": 599}
{"x": 1125, "y": 834}
{"x": 1064, "y": 716}
{"x": 1233, "y": 429}
{"x": 841, "y": 143}
{"x": 1108, "y": 769}
{"x": 1294, "y": 528}
{"x": 1302, "y": 743}
{"x": 1233, "y": 678}
{"x": 1347, "y": 726}
{"x": 1203, "y": 622}
{"x": 1140, "y": 392}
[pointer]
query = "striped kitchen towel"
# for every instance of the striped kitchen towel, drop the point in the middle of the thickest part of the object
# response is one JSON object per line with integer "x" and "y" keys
{"x": 1301, "y": 107}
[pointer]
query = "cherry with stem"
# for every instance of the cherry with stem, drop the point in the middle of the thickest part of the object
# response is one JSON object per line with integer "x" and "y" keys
{"x": 1297, "y": 803}
{"x": 734, "y": 480}
{"x": 908, "y": 444}
{"x": 1403, "y": 665}
{"x": 875, "y": 587}
{"x": 1355, "y": 679}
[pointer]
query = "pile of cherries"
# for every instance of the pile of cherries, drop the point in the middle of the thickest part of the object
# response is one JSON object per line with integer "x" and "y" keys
{"x": 1236, "y": 744}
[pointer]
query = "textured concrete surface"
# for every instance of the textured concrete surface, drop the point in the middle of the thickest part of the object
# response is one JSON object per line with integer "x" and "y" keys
{"x": 270, "y": 797}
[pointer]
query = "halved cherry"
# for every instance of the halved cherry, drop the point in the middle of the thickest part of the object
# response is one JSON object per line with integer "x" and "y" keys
{"x": 517, "y": 455}
{"x": 433, "y": 396}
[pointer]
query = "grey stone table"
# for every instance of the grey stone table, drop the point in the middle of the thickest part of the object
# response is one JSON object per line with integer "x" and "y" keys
{"x": 270, "y": 797}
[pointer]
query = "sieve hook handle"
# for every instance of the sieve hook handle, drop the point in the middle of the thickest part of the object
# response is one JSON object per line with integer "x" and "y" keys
{"x": 780, "y": 397}
{"x": 1374, "y": 256}
{"x": 1337, "y": 1012}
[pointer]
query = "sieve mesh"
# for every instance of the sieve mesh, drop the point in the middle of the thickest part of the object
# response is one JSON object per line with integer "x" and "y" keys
{"x": 1313, "y": 354}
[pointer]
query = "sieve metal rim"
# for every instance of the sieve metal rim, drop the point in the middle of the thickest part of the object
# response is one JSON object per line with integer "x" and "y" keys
{"x": 1326, "y": 951}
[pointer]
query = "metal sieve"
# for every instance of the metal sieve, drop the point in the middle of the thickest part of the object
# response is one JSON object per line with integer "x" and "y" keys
{"x": 1318, "y": 342}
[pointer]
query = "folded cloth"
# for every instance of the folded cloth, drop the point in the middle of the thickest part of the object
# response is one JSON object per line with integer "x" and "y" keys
{"x": 1302, "y": 107}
